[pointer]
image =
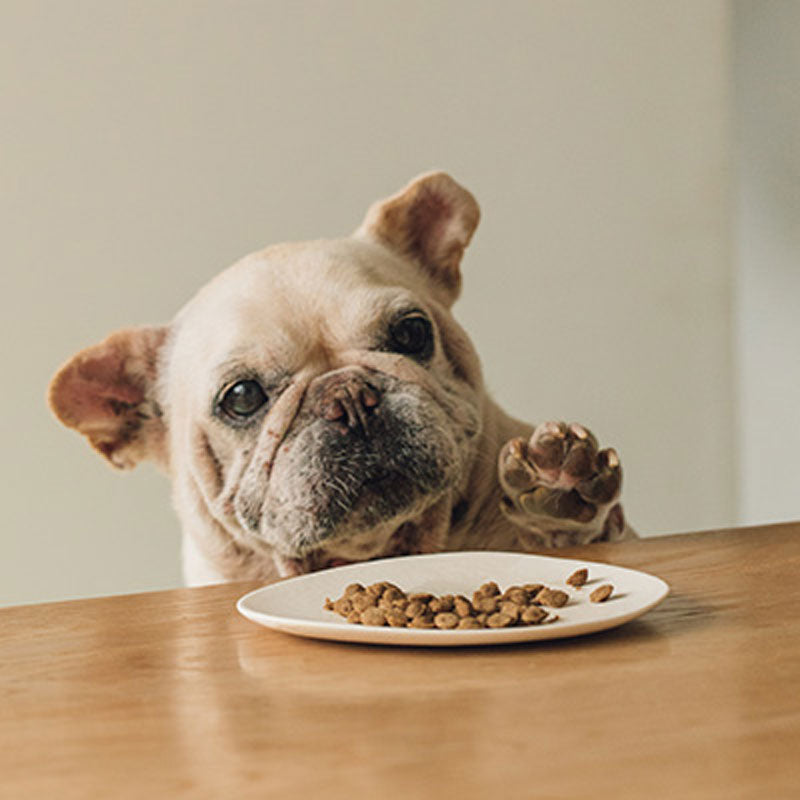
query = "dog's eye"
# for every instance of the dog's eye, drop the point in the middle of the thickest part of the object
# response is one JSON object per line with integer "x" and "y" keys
{"x": 413, "y": 336}
{"x": 243, "y": 399}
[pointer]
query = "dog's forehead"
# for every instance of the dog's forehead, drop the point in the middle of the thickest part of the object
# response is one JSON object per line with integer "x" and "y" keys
{"x": 290, "y": 296}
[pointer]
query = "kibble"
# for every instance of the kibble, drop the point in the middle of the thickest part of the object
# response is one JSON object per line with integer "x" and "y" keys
{"x": 552, "y": 597}
{"x": 462, "y": 606}
{"x": 343, "y": 606}
{"x": 439, "y": 604}
{"x": 499, "y": 620}
{"x": 415, "y": 608}
{"x": 384, "y": 603}
{"x": 532, "y": 615}
{"x": 373, "y": 616}
{"x": 510, "y": 609}
{"x": 396, "y": 618}
{"x": 516, "y": 594}
{"x": 391, "y": 594}
{"x": 601, "y": 593}
{"x": 578, "y": 578}
{"x": 361, "y": 601}
{"x": 445, "y": 620}
{"x": 487, "y": 605}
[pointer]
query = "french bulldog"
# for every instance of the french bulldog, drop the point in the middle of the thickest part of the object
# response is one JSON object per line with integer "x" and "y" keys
{"x": 317, "y": 404}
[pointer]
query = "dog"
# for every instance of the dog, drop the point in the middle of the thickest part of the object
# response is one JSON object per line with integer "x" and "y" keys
{"x": 317, "y": 404}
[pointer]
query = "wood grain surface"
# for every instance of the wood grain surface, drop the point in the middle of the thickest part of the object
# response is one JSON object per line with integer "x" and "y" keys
{"x": 173, "y": 694}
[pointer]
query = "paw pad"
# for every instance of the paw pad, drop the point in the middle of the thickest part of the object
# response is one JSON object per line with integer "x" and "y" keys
{"x": 559, "y": 475}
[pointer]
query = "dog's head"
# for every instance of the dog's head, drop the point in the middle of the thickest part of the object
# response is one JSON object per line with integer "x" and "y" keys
{"x": 315, "y": 402}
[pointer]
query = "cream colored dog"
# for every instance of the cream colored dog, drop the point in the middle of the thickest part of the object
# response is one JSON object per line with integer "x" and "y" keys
{"x": 317, "y": 404}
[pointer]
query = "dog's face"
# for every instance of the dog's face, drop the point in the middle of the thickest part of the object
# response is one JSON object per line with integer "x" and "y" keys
{"x": 316, "y": 402}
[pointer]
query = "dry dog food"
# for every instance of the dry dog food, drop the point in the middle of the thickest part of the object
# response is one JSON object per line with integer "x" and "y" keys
{"x": 384, "y": 603}
{"x": 578, "y": 578}
{"x": 601, "y": 593}
{"x": 552, "y": 597}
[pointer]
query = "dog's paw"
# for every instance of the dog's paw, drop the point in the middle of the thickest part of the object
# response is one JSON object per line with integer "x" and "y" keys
{"x": 559, "y": 488}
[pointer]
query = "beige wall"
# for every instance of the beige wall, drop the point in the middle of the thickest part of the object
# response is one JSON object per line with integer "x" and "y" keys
{"x": 146, "y": 145}
{"x": 767, "y": 77}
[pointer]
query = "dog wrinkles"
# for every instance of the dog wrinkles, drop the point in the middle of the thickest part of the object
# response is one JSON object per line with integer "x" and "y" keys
{"x": 360, "y": 452}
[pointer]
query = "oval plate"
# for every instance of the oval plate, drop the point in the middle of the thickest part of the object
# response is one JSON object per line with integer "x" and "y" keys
{"x": 295, "y": 605}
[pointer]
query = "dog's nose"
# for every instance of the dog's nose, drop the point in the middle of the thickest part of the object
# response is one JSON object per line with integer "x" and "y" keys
{"x": 348, "y": 401}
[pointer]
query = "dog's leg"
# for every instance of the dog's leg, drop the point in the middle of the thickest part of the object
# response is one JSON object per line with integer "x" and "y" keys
{"x": 560, "y": 489}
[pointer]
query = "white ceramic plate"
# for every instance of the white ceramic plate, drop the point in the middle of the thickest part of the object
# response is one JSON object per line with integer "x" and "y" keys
{"x": 295, "y": 605}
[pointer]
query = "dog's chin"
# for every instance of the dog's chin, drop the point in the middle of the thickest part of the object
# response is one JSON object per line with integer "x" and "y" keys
{"x": 382, "y": 523}
{"x": 357, "y": 515}
{"x": 398, "y": 539}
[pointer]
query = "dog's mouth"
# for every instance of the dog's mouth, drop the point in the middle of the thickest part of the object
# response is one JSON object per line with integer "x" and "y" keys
{"x": 405, "y": 540}
{"x": 333, "y": 499}
{"x": 375, "y": 500}
{"x": 292, "y": 567}
{"x": 389, "y": 488}
{"x": 337, "y": 562}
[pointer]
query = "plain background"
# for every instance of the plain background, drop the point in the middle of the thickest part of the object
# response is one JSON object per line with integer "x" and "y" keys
{"x": 628, "y": 272}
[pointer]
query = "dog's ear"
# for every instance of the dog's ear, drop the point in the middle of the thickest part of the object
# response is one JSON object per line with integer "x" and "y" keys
{"x": 107, "y": 393}
{"x": 430, "y": 221}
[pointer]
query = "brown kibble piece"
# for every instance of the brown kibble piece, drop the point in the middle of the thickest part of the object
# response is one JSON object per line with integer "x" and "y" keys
{"x": 443, "y": 603}
{"x": 343, "y": 606}
{"x": 510, "y": 609}
{"x": 499, "y": 620}
{"x": 396, "y": 618}
{"x": 516, "y": 594}
{"x": 462, "y": 606}
{"x": 362, "y": 601}
{"x": 533, "y": 615}
{"x": 552, "y": 597}
{"x": 415, "y": 608}
{"x": 578, "y": 578}
{"x": 487, "y": 605}
{"x": 401, "y": 603}
{"x": 601, "y": 593}
{"x": 445, "y": 620}
{"x": 383, "y": 603}
{"x": 373, "y": 616}
{"x": 389, "y": 600}
{"x": 392, "y": 594}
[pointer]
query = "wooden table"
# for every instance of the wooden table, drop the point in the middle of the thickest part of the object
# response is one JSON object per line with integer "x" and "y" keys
{"x": 173, "y": 694}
